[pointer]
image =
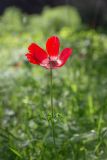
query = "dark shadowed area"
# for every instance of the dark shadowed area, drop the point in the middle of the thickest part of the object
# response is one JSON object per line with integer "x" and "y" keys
{"x": 93, "y": 12}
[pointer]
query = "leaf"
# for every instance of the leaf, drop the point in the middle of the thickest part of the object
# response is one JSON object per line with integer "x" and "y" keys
{"x": 15, "y": 152}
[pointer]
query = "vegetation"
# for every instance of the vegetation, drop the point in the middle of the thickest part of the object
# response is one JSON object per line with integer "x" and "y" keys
{"x": 80, "y": 92}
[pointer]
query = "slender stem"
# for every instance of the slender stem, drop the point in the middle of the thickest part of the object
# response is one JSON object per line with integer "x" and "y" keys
{"x": 52, "y": 108}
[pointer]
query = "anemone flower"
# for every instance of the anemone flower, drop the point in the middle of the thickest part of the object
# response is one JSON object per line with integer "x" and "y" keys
{"x": 49, "y": 59}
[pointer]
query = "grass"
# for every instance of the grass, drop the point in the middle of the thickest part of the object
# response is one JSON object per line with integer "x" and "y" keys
{"x": 79, "y": 93}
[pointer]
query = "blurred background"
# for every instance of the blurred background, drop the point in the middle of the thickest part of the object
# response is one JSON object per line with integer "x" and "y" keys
{"x": 92, "y": 12}
{"x": 80, "y": 87}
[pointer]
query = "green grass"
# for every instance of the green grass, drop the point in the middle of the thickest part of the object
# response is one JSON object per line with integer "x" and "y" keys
{"x": 80, "y": 90}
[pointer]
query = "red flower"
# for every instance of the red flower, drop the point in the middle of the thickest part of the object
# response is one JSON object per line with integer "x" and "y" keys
{"x": 50, "y": 58}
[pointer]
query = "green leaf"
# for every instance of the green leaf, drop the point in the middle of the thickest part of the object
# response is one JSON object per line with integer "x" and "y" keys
{"x": 15, "y": 152}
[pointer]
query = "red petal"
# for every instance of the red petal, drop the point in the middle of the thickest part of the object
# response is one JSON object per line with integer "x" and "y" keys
{"x": 38, "y": 53}
{"x": 52, "y": 46}
{"x": 31, "y": 58}
{"x": 65, "y": 54}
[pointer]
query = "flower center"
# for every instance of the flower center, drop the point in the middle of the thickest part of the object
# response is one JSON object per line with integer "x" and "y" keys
{"x": 52, "y": 63}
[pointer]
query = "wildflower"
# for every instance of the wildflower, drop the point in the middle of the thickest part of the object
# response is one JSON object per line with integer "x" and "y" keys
{"x": 49, "y": 59}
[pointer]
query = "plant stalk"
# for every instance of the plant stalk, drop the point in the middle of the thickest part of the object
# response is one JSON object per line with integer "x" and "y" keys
{"x": 52, "y": 108}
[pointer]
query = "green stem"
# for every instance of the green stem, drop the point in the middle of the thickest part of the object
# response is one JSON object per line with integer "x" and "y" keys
{"x": 52, "y": 108}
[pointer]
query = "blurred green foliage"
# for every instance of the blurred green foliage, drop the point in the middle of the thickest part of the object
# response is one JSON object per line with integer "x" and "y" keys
{"x": 80, "y": 89}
